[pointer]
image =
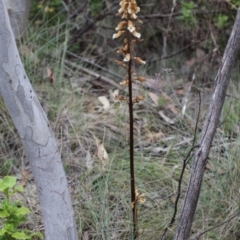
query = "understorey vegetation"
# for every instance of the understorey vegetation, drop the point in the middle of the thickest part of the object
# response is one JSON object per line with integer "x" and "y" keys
{"x": 69, "y": 54}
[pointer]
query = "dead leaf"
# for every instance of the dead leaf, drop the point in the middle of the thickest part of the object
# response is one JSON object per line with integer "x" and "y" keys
{"x": 89, "y": 161}
{"x": 165, "y": 118}
{"x": 105, "y": 102}
{"x": 184, "y": 141}
{"x": 154, "y": 97}
{"x": 24, "y": 177}
{"x": 173, "y": 108}
{"x": 190, "y": 62}
{"x": 86, "y": 236}
{"x": 90, "y": 106}
{"x": 114, "y": 94}
{"x": 221, "y": 170}
{"x": 154, "y": 136}
{"x": 200, "y": 54}
{"x": 179, "y": 91}
{"x": 166, "y": 97}
{"x": 161, "y": 149}
{"x": 50, "y": 75}
{"x": 208, "y": 166}
{"x": 102, "y": 153}
{"x": 173, "y": 198}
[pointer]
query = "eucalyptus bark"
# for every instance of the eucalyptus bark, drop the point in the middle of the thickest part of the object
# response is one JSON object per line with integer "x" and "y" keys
{"x": 36, "y": 136}
{"x": 18, "y": 11}
{"x": 209, "y": 128}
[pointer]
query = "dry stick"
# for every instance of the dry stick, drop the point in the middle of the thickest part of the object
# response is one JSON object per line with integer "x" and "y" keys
{"x": 185, "y": 162}
{"x": 177, "y": 14}
{"x": 93, "y": 74}
{"x": 130, "y": 103}
{"x": 95, "y": 65}
{"x": 176, "y": 53}
{"x": 218, "y": 225}
{"x": 207, "y": 134}
{"x": 89, "y": 24}
{"x": 166, "y": 34}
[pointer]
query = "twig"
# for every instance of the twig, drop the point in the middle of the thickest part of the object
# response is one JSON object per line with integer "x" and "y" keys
{"x": 89, "y": 24}
{"x": 176, "y": 53}
{"x": 216, "y": 226}
{"x": 93, "y": 74}
{"x": 94, "y": 65}
{"x": 177, "y": 14}
{"x": 185, "y": 162}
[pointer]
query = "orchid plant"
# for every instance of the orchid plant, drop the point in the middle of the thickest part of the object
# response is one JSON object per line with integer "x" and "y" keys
{"x": 128, "y": 30}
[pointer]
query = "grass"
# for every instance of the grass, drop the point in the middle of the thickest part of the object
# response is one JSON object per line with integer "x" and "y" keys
{"x": 101, "y": 196}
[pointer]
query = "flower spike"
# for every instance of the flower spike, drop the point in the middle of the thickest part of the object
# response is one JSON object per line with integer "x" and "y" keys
{"x": 128, "y": 28}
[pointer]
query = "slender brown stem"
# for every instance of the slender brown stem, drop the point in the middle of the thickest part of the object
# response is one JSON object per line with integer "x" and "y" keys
{"x": 130, "y": 103}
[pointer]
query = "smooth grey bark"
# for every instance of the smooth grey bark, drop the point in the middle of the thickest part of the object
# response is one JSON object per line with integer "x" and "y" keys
{"x": 36, "y": 136}
{"x": 18, "y": 11}
{"x": 209, "y": 128}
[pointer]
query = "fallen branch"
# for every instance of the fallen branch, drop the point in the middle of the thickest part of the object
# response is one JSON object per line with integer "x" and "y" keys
{"x": 93, "y": 74}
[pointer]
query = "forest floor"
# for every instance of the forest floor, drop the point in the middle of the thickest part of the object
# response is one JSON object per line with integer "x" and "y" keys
{"x": 92, "y": 133}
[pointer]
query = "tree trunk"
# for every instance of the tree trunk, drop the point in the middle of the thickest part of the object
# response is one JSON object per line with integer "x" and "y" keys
{"x": 18, "y": 11}
{"x": 37, "y": 138}
{"x": 209, "y": 128}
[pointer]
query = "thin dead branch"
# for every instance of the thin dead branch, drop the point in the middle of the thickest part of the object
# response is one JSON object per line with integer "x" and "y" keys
{"x": 208, "y": 131}
{"x": 197, "y": 237}
{"x": 185, "y": 162}
{"x": 93, "y": 74}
